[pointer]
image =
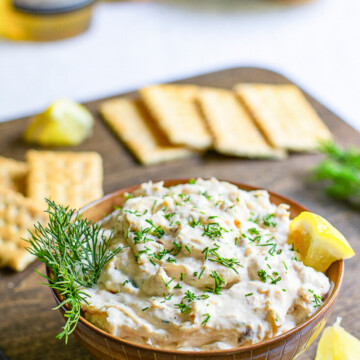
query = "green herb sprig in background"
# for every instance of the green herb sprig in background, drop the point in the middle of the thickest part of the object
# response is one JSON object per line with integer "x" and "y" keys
{"x": 340, "y": 172}
{"x": 76, "y": 250}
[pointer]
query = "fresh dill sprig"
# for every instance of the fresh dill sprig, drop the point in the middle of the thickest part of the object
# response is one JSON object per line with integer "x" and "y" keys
{"x": 76, "y": 250}
{"x": 340, "y": 172}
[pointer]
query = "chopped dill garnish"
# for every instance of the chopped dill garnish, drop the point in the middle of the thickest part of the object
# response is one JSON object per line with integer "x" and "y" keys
{"x": 185, "y": 197}
{"x": 184, "y": 309}
{"x": 253, "y": 231}
{"x": 262, "y": 275}
{"x": 167, "y": 297}
{"x": 272, "y": 251}
{"x": 268, "y": 220}
{"x": 205, "y": 194}
{"x": 213, "y": 230}
{"x": 274, "y": 281}
{"x": 213, "y": 255}
{"x": 153, "y": 206}
{"x": 206, "y": 319}
{"x": 189, "y": 296}
{"x": 253, "y": 219}
{"x": 317, "y": 299}
{"x": 166, "y": 283}
{"x": 135, "y": 212}
{"x": 219, "y": 281}
{"x": 227, "y": 262}
{"x": 193, "y": 223}
{"x": 176, "y": 249}
{"x": 157, "y": 231}
{"x": 169, "y": 216}
{"x": 212, "y": 217}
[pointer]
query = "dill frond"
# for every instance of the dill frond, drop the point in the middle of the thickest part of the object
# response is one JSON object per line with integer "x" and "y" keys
{"x": 76, "y": 250}
{"x": 340, "y": 172}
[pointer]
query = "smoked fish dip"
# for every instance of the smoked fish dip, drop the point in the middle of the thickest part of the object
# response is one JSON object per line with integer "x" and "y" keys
{"x": 203, "y": 266}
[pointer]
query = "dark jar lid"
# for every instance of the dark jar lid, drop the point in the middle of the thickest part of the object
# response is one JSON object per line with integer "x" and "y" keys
{"x": 50, "y": 7}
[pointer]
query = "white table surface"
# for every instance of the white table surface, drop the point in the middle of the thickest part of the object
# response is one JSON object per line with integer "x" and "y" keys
{"x": 131, "y": 44}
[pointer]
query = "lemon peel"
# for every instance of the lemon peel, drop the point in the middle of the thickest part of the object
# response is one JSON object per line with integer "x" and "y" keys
{"x": 337, "y": 344}
{"x": 63, "y": 123}
{"x": 318, "y": 242}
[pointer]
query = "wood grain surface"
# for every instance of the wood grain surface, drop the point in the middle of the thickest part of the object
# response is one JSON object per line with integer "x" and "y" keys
{"x": 28, "y": 326}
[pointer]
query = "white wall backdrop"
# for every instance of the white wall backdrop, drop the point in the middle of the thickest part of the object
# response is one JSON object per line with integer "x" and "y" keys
{"x": 131, "y": 44}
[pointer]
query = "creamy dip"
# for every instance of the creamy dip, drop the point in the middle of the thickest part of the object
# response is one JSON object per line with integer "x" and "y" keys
{"x": 204, "y": 266}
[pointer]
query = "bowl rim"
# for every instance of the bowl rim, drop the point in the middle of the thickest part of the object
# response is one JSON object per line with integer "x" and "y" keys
{"x": 330, "y": 298}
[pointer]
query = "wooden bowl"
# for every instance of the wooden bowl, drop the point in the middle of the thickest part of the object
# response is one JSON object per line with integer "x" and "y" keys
{"x": 288, "y": 345}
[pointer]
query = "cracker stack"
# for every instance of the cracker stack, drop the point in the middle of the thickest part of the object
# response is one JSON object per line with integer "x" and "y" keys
{"x": 256, "y": 121}
{"x": 17, "y": 215}
{"x": 67, "y": 178}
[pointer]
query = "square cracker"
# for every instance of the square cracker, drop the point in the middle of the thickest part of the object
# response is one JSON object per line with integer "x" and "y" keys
{"x": 17, "y": 214}
{"x": 67, "y": 178}
{"x": 133, "y": 125}
{"x": 284, "y": 115}
{"x": 13, "y": 174}
{"x": 234, "y": 131}
{"x": 175, "y": 110}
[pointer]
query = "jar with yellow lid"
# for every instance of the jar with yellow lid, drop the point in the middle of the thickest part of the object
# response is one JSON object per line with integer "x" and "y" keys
{"x": 44, "y": 20}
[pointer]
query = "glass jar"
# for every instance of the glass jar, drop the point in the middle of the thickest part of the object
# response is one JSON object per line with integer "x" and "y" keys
{"x": 44, "y": 20}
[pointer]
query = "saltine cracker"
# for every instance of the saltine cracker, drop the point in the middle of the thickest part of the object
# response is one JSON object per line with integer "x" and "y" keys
{"x": 234, "y": 131}
{"x": 176, "y": 112}
{"x": 13, "y": 174}
{"x": 134, "y": 126}
{"x": 284, "y": 115}
{"x": 67, "y": 178}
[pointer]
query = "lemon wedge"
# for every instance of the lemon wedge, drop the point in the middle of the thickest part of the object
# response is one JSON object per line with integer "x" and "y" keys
{"x": 64, "y": 122}
{"x": 337, "y": 344}
{"x": 317, "y": 241}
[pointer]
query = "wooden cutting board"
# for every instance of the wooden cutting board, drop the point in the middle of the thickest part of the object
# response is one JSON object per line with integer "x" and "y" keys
{"x": 28, "y": 326}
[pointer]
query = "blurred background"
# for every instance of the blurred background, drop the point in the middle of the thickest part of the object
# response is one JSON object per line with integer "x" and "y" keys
{"x": 131, "y": 44}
